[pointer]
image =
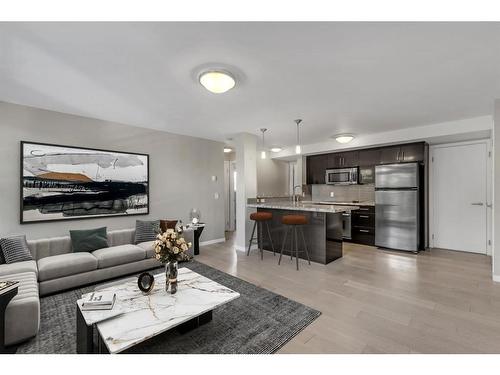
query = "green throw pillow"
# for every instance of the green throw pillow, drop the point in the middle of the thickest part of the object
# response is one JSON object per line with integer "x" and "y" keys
{"x": 89, "y": 239}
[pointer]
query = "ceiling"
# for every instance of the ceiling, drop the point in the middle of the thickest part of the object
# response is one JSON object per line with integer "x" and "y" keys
{"x": 338, "y": 77}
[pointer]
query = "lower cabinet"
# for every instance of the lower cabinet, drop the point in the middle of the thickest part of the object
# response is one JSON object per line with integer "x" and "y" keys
{"x": 363, "y": 236}
{"x": 363, "y": 226}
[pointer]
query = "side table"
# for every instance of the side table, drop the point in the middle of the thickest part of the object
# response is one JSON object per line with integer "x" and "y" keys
{"x": 4, "y": 301}
{"x": 198, "y": 229}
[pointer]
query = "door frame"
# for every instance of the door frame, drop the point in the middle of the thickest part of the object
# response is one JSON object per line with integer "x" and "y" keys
{"x": 489, "y": 188}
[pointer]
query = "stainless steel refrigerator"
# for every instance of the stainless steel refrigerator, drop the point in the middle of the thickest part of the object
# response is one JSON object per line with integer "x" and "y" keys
{"x": 397, "y": 216}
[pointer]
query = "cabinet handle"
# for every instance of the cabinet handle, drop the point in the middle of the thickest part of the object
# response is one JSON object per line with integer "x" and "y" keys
{"x": 364, "y": 209}
{"x": 403, "y": 156}
{"x": 477, "y": 204}
{"x": 397, "y": 157}
{"x": 364, "y": 230}
{"x": 364, "y": 216}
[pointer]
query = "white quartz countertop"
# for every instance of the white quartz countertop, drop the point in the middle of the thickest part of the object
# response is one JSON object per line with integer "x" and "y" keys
{"x": 304, "y": 206}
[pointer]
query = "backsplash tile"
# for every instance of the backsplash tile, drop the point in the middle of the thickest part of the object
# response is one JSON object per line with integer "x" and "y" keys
{"x": 362, "y": 193}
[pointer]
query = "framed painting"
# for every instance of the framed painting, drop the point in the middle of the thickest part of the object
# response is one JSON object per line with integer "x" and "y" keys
{"x": 67, "y": 183}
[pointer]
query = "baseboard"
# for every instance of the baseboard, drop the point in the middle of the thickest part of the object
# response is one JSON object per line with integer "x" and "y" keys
{"x": 217, "y": 240}
{"x": 244, "y": 248}
{"x": 496, "y": 278}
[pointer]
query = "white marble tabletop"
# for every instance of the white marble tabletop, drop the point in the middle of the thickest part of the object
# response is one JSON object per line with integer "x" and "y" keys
{"x": 144, "y": 316}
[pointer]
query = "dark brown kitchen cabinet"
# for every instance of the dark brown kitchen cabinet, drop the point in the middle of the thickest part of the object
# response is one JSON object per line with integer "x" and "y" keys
{"x": 389, "y": 155}
{"x": 412, "y": 152}
{"x": 343, "y": 159}
{"x": 369, "y": 157}
{"x": 402, "y": 153}
{"x": 316, "y": 166}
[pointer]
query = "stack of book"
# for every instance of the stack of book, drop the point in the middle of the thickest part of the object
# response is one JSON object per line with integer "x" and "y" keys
{"x": 98, "y": 301}
{"x": 6, "y": 286}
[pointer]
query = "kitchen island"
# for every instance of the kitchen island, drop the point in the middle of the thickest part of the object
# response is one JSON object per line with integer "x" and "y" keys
{"x": 323, "y": 233}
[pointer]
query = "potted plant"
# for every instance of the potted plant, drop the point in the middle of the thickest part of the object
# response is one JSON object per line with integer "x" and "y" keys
{"x": 170, "y": 247}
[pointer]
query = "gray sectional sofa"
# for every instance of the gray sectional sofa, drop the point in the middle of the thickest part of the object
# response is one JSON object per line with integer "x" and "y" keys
{"x": 56, "y": 267}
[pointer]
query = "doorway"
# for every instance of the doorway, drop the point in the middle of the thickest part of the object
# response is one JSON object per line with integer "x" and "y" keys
{"x": 461, "y": 197}
{"x": 230, "y": 194}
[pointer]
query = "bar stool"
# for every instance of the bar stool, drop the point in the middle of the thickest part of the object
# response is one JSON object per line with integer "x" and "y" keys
{"x": 294, "y": 223}
{"x": 260, "y": 218}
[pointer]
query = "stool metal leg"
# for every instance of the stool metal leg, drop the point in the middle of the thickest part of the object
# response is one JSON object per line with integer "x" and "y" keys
{"x": 283, "y": 245}
{"x": 261, "y": 242}
{"x": 305, "y": 246}
{"x": 251, "y": 238}
{"x": 270, "y": 239}
{"x": 296, "y": 246}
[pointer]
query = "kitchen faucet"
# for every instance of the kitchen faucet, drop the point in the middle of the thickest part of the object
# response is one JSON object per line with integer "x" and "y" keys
{"x": 296, "y": 197}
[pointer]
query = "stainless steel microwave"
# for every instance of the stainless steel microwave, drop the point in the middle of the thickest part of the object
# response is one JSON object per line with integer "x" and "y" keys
{"x": 342, "y": 176}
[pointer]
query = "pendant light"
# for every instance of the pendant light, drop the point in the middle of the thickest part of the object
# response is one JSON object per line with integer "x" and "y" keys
{"x": 298, "y": 149}
{"x": 263, "y": 154}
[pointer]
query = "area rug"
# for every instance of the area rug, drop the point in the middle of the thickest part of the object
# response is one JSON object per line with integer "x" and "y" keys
{"x": 259, "y": 322}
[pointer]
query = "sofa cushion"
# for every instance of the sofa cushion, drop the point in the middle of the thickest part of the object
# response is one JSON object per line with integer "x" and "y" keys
{"x": 62, "y": 265}
{"x": 22, "y": 316}
{"x": 88, "y": 239}
{"x": 116, "y": 255}
{"x": 148, "y": 248}
{"x": 146, "y": 230}
{"x": 15, "y": 249}
{"x": 18, "y": 267}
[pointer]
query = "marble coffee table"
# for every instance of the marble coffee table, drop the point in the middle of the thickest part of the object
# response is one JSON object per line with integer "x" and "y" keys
{"x": 137, "y": 317}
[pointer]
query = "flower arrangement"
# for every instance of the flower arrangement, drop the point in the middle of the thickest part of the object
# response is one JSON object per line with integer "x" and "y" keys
{"x": 170, "y": 246}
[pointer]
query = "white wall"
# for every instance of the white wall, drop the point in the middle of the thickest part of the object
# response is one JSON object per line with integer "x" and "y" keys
{"x": 496, "y": 194}
{"x": 180, "y": 169}
{"x": 272, "y": 177}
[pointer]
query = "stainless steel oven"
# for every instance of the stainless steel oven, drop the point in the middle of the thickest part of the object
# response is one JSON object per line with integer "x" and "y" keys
{"x": 342, "y": 176}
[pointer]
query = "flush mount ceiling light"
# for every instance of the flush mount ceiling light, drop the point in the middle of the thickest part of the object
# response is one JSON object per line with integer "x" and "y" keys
{"x": 276, "y": 149}
{"x": 227, "y": 150}
{"x": 344, "y": 138}
{"x": 217, "y": 81}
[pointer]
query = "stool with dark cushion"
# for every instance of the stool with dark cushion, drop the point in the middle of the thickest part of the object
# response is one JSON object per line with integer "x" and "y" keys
{"x": 294, "y": 223}
{"x": 260, "y": 218}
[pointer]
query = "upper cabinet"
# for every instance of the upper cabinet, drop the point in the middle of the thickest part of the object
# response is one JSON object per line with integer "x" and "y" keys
{"x": 316, "y": 167}
{"x": 343, "y": 159}
{"x": 389, "y": 155}
{"x": 317, "y": 164}
{"x": 403, "y": 153}
{"x": 369, "y": 157}
{"x": 413, "y": 152}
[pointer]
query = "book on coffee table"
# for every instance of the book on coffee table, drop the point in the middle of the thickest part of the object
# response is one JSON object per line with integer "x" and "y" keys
{"x": 6, "y": 286}
{"x": 98, "y": 301}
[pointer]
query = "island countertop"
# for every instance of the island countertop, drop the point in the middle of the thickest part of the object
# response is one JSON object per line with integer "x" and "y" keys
{"x": 300, "y": 206}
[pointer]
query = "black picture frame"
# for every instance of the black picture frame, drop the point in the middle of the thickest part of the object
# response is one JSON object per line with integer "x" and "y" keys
{"x": 101, "y": 216}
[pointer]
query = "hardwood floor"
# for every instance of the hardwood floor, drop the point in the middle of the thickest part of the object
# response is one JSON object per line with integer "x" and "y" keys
{"x": 375, "y": 301}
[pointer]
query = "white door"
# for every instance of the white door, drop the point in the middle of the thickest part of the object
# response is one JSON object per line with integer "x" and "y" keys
{"x": 459, "y": 182}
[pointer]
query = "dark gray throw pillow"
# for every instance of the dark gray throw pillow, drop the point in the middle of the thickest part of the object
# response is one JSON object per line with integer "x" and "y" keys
{"x": 15, "y": 249}
{"x": 88, "y": 239}
{"x": 146, "y": 230}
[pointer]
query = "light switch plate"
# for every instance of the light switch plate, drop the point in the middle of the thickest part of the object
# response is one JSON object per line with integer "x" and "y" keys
{"x": 214, "y": 178}
{"x": 332, "y": 194}
{"x": 216, "y": 195}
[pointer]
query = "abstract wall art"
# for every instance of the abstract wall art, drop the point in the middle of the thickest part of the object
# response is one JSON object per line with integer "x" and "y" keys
{"x": 64, "y": 183}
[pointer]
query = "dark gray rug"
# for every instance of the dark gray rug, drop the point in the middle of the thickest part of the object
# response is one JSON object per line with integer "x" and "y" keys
{"x": 259, "y": 322}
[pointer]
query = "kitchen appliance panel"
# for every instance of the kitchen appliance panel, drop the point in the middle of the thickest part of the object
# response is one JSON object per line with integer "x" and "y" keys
{"x": 397, "y": 221}
{"x": 395, "y": 176}
{"x": 342, "y": 176}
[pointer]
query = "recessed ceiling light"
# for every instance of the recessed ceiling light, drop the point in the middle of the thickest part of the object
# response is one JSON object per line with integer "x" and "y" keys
{"x": 227, "y": 150}
{"x": 276, "y": 149}
{"x": 344, "y": 138}
{"x": 217, "y": 81}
